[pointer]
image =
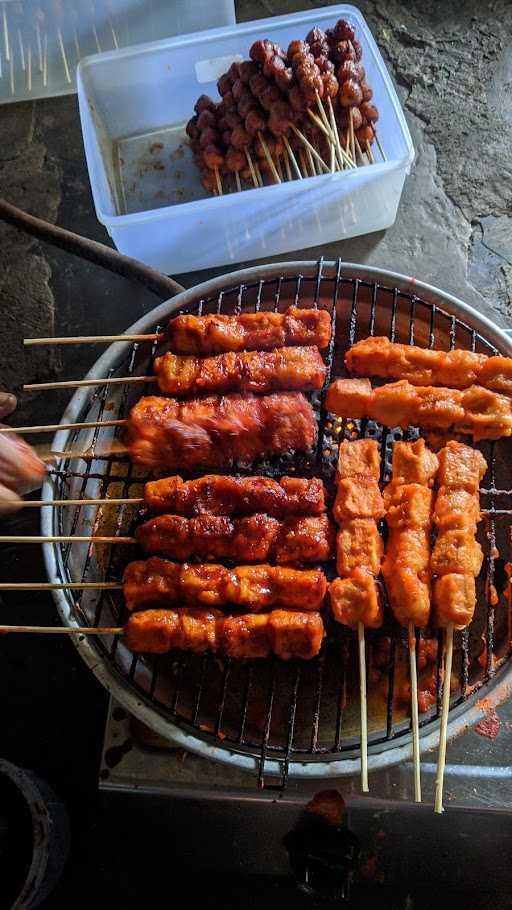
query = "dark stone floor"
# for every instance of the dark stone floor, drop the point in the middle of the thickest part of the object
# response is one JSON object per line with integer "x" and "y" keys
{"x": 452, "y": 65}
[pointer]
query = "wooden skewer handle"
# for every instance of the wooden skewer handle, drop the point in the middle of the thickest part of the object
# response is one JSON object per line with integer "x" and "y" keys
{"x": 79, "y": 383}
{"x": 53, "y": 427}
{"x": 63, "y": 630}
{"x": 41, "y": 503}
{"x": 363, "y": 707}
{"x": 445, "y": 710}
{"x": 90, "y": 339}
{"x": 61, "y": 586}
{"x": 64, "y": 538}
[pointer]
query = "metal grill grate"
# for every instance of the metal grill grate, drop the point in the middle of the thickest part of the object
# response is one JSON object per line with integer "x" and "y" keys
{"x": 296, "y": 711}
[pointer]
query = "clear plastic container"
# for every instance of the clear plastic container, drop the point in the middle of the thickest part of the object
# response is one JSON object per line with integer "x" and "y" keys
{"x": 134, "y": 106}
{"x": 41, "y": 41}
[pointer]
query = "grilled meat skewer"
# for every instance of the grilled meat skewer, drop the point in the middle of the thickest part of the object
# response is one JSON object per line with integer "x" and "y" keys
{"x": 218, "y": 431}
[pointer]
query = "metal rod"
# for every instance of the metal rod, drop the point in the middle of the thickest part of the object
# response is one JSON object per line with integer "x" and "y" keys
{"x": 441, "y": 760}
{"x": 414, "y": 713}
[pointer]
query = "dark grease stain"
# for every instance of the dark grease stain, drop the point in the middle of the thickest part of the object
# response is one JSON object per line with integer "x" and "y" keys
{"x": 115, "y": 754}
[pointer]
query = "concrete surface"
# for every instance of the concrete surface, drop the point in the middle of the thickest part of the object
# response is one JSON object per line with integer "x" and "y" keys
{"x": 452, "y": 65}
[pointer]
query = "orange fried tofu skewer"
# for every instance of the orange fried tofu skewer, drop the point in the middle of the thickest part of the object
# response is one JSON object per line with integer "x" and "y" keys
{"x": 262, "y": 331}
{"x": 355, "y": 597}
{"x": 456, "y": 561}
{"x": 219, "y": 494}
{"x": 252, "y": 538}
{"x": 476, "y": 411}
{"x": 457, "y": 369}
{"x": 406, "y": 567}
{"x": 281, "y": 632}
{"x": 297, "y": 368}
{"x": 160, "y": 582}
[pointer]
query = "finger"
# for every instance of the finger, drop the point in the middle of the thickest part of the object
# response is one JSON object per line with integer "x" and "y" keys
{"x": 8, "y": 404}
{"x": 19, "y": 464}
{"x": 9, "y": 500}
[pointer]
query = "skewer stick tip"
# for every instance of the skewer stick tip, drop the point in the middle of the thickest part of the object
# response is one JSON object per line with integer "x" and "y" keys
{"x": 364, "y": 716}
{"x": 441, "y": 761}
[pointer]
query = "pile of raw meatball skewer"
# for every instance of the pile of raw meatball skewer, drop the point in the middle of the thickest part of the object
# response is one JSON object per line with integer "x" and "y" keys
{"x": 287, "y": 115}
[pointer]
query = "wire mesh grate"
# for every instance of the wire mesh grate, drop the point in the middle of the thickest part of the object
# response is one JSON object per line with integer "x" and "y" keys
{"x": 272, "y": 710}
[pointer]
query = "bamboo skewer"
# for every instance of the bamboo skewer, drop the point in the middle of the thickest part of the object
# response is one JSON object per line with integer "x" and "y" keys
{"x": 11, "y": 75}
{"x": 22, "y": 50}
{"x": 91, "y": 339}
{"x": 279, "y": 168}
{"x": 339, "y": 151}
{"x": 45, "y": 60}
{"x": 39, "y": 46}
{"x": 303, "y": 163}
{"x": 63, "y": 55}
{"x": 251, "y": 168}
{"x": 370, "y": 153}
{"x": 441, "y": 760}
{"x": 269, "y": 158}
{"x": 311, "y": 148}
{"x": 352, "y": 137}
{"x": 381, "y": 150}
{"x": 79, "y": 383}
{"x": 29, "y": 68}
{"x": 61, "y": 586}
{"x": 414, "y": 713}
{"x": 64, "y": 630}
{"x": 54, "y": 427}
{"x": 287, "y": 165}
{"x": 312, "y": 168}
{"x": 218, "y": 181}
{"x": 7, "y": 49}
{"x": 64, "y": 538}
{"x": 258, "y": 174}
{"x": 237, "y": 181}
{"x": 359, "y": 149}
{"x": 292, "y": 157}
{"x": 54, "y": 503}
{"x": 363, "y": 708}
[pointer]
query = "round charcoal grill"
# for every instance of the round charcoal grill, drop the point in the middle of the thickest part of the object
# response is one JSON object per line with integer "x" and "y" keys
{"x": 297, "y": 718}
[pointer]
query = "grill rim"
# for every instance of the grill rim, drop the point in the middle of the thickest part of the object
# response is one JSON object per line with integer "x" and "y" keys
{"x": 466, "y": 714}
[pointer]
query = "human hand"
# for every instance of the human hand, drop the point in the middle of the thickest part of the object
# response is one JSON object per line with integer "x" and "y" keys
{"x": 20, "y": 467}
